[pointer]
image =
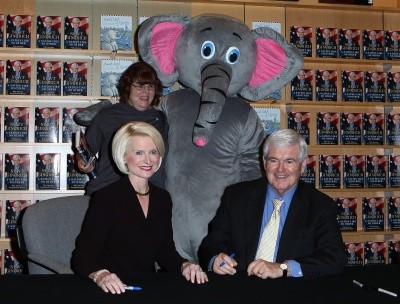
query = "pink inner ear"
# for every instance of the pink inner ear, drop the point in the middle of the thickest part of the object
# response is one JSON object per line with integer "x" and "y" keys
{"x": 162, "y": 44}
{"x": 271, "y": 59}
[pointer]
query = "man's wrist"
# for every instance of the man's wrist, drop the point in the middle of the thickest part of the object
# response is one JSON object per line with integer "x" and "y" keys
{"x": 98, "y": 273}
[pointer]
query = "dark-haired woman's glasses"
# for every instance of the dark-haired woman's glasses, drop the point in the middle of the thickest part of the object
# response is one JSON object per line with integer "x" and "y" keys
{"x": 142, "y": 87}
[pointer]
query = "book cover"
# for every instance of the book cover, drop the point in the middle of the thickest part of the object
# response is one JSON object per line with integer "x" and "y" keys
{"x": 16, "y": 171}
{"x": 393, "y": 129}
{"x": 373, "y": 128}
{"x": 373, "y": 213}
{"x": 353, "y": 86}
{"x": 394, "y": 171}
{"x": 327, "y": 128}
{"x": 75, "y": 78}
{"x": 392, "y": 50}
{"x": 116, "y": 33}
{"x": 329, "y": 171}
{"x": 2, "y": 74}
{"x": 347, "y": 213}
{"x": 300, "y": 121}
{"x": 349, "y": 43}
{"x": 354, "y": 254}
{"x": 308, "y": 175}
{"x": 393, "y": 252}
{"x": 18, "y": 31}
{"x": 46, "y": 125}
{"x": 111, "y": 71}
{"x": 394, "y": 213}
{"x": 75, "y": 179}
{"x": 374, "y": 86}
{"x": 301, "y": 85}
{"x": 2, "y": 234}
{"x": 373, "y": 43}
{"x": 326, "y": 85}
{"x": 350, "y": 128}
{"x": 2, "y": 22}
{"x": 18, "y": 76}
{"x": 76, "y": 32}
{"x": 374, "y": 253}
{"x": 353, "y": 171}
{"x": 301, "y": 37}
{"x": 69, "y": 126}
{"x": 376, "y": 167}
{"x": 13, "y": 212}
{"x": 393, "y": 86}
{"x": 48, "y": 78}
{"x": 270, "y": 118}
{"x": 16, "y": 124}
{"x": 48, "y": 171}
{"x": 48, "y": 32}
{"x": 12, "y": 262}
{"x": 327, "y": 42}
{"x": 1, "y": 179}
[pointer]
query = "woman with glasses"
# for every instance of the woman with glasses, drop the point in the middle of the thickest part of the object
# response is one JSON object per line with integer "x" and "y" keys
{"x": 139, "y": 91}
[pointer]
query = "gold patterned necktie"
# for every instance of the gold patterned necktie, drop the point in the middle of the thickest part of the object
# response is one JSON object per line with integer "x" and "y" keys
{"x": 266, "y": 250}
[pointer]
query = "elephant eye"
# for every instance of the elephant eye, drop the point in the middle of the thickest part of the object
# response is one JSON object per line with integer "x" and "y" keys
{"x": 207, "y": 49}
{"x": 232, "y": 55}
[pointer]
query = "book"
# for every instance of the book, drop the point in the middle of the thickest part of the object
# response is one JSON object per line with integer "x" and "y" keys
{"x": 75, "y": 78}
{"x": 13, "y": 212}
{"x": 2, "y": 234}
{"x": 374, "y": 253}
{"x": 48, "y": 171}
{"x": 327, "y": 128}
{"x": 373, "y": 124}
{"x": 16, "y": 171}
{"x": 301, "y": 37}
{"x": 393, "y": 252}
{"x": 111, "y": 71}
{"x": 374, "y": 86}
{"x": 393, "y": 129}
{"x": 347, "y": 213}
{"x": 2, "y": 74}
{"x": 375, "y": 171}
{"x": 1, "y": 179}
{"x": 393, "y": 86}
{"x": 373, "y": 44}
{"x": 326, "y": 42}
{"x": 373, "y": 213}
{"x": 349, "y": 43}
{"x": 48, "y": 78}
{"x": 270, "y": 118}
{"x": 46, "y": 125}
{"x": 116, "y": 33}
{"x": 12, "y": 262}
{"x": 75, "y": 179}
{"x": 353, "y": 86}
{"x": 394, "y": 213}
{"x": 76, "y": 32}
{"x": 48, "y": 32}
{"x": 69, "y": 126}
{"x": 18, "y": 31}
{"x": 2, "y": 22}
{"x": 301, "y": 85}
{"x": 16, "y": 124}
{"x": 354, "y": 253}
{"x": 392, "y": 50}
{"x": 326, "y": 85}
{"x": 329, "y": 171}
{"x": 18, "y": 76}
{"x": 308, "y": 174}
{"x": 350, "y": 128}
{"x": 300, "y": 121}
{"x": 353, "y": 171}
{"x": 394, "y": 171}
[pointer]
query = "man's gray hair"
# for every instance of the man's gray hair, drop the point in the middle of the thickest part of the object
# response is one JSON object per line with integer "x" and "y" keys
{"x": 285, "y": 138}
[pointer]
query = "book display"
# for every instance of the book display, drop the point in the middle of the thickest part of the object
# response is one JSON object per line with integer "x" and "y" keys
{"x": 58, "y": 59}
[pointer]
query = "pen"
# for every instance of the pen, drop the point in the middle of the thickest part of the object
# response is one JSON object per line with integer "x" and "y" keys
{"x": 369, "y": 288}
{"x": 135, "y": 288}
{"x": 223, "y": 263}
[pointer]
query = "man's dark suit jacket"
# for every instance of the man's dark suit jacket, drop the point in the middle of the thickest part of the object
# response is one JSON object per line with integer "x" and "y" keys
{"x": 310, "y": 236}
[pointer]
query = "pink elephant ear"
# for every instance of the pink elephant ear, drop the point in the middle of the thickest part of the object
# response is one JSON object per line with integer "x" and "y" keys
{"x": 271, "y": 60}
{"x": 164, "y": 36}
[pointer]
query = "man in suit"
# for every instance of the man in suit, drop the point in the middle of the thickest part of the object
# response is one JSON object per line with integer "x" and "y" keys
{"x": 48, "y": 72}
{"x": 326, "y": 81}
{"x": 329, "y": 167}
{"x": 373, "y": 209}
{"x": 75, "y": 76}
{"x": 18, "y": 28}
{"x": 351, "y": 126}
{"x": 17, "y": 167}
{"x": 300, "y": 38}
{"x": 372, "y": 41}
{"x": 346, "y": 207}
{"x": 18, "y": 73}
{"x": 48, "y": 29}
{"x": 308, "y": 242}
{"x": 353, "y": 83}
{"x": 350, "y": 41}
{"x": 16, "y": 119}
{"x": 353, "y": 167}
{"x": 328, "y": 124}
{"x": 75, "y": 29}
{"x": 375, "y": 167}
{"x": 373, "y": 126}
{"x": 300, "y": 81}
{"x": 352, "y": 253}
{"x": 298, "y": 122}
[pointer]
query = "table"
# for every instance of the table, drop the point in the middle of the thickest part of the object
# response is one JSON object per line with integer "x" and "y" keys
{"x": 173, "y": 288}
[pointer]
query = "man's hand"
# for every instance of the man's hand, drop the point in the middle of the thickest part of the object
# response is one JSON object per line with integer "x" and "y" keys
{"x": 82, "y": 166}
{"x": 264, "y": 269}
{"x": 227, "y": 263}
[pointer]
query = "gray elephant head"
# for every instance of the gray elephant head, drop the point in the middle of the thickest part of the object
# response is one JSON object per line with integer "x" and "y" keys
{"x": 217, "y": 56}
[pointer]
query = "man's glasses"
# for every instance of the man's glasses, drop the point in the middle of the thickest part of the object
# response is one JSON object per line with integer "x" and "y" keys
{"x": 142, "y": 87}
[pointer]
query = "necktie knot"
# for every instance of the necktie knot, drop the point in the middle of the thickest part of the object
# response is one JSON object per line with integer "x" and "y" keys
{"x": 277, "y": 206}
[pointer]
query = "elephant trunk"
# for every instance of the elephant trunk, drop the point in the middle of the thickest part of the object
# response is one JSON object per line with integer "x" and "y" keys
{"x": 215, "y": 78}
